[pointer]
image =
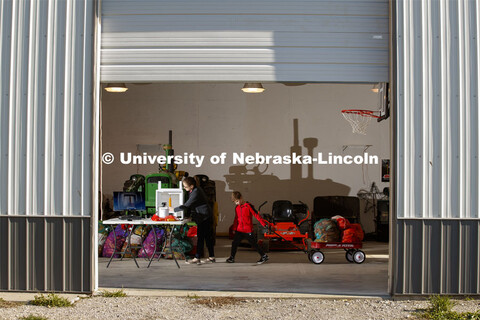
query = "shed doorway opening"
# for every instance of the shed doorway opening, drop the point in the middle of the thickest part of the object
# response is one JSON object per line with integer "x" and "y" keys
{"x": 259, "y": 136}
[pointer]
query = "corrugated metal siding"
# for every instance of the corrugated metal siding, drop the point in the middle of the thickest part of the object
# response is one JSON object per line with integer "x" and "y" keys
{"x": 230, "y": 40}
{"x": 45, "y": 254}
{"x": 436, "y": 246}
{"x": 437, "y": 257}
{"x": 437, "y": 98}
{"x": 46, "y": 113}
{"x": 46, "y": 127}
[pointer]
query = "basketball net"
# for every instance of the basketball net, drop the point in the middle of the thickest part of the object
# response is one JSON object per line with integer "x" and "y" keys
{"x": 359, "y": 119}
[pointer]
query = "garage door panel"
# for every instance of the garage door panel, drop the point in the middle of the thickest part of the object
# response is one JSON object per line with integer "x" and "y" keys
{"x": 334, "y": 7}
{"x": 119, "y": 40}
{"x": 274, "y": 23}
{"x": 308, "y": 41}
{"x": 281, "y": 55}
{"x": 240, "y": 73}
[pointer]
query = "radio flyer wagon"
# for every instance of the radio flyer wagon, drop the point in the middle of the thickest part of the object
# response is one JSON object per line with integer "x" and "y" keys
{"x": 352, "y": 254}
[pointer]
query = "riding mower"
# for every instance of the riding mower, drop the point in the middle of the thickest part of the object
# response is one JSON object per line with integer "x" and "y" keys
{"x": 288, "y": 225}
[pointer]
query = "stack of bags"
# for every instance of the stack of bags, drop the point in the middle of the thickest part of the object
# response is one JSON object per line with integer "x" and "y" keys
{"x": 338, "y": 229}
{"x": 326, "y": 230}
{"x": 351, "y": 232}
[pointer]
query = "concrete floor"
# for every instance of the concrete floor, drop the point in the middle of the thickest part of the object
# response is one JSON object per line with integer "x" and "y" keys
{"x": 287, "y": 271}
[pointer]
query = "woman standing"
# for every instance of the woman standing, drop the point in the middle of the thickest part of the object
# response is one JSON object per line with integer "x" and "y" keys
{"x": 198, "y": 209}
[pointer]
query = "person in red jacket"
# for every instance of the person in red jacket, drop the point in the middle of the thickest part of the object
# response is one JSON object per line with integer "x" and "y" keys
{"x": 243, "y": 227}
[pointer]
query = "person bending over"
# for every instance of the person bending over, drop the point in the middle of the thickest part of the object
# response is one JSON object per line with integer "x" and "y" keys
{"x": 197, "y": 207}
{"x": 243, "y": 228}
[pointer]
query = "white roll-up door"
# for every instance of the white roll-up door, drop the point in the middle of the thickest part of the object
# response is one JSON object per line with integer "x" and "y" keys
{"x": 262, "y": 40}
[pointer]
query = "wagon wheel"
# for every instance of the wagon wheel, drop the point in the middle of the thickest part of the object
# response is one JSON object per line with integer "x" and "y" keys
{"x": 359, "y": 256}
{"x": 310, "y": 254}
{"x": 349, "y": 255}
{"x": 317, "y": 257}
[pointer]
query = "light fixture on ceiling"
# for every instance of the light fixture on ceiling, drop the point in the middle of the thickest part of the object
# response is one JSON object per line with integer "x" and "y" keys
{"x": 116, "y": 87}
{"x": 376, "y": 87}
{"x": 255, "y": 87}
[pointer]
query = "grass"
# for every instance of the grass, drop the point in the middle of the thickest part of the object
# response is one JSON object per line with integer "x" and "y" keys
{"x": 113, "y": 294}
{"x": 441, "y": 309}
{"x": 33, "y": 317}
{"x": 215, "y": 302}
{"x": 51, "y": 300}
{"x": 8, "y": 304}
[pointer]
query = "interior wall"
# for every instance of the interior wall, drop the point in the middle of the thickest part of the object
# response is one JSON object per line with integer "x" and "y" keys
{"x": 211, "y": 118}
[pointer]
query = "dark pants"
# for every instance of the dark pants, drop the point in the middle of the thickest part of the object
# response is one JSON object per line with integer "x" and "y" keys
{"x": 250, "y": 237}
{"x": 204, "y": 234}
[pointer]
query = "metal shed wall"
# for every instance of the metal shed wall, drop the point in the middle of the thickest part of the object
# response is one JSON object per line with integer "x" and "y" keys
{"x": 436, "y": 237}
{"x": 231, "y": 40}
{"x": 46, "y": 144}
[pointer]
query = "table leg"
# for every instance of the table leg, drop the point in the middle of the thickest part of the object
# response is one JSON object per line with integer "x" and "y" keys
{"x": 172, "y": 229}
{"x": 164, "y": 244}
{"x": 155, "y": 246}
{"x": 114, "y": 245}
{"x": 144, "y": 250}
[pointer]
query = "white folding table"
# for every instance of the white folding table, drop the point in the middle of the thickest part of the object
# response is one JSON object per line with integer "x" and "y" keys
{"x": 136, "y": 222}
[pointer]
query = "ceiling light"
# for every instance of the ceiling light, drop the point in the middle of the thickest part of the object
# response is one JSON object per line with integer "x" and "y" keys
{"x": 116, "y": 87}
{"x": 253, "y": 87}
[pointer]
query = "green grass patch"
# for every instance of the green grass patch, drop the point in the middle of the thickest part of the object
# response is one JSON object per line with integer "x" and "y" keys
{"x": 51, "y": 300}
{"x": 441, "y": 309}
{"x": 113, "y": 294}
{"x": 8, "y": 304}
{"x": 33, "y": 317}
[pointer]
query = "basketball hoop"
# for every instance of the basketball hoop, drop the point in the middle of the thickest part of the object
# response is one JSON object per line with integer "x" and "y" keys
{"x": 359, "y": 119}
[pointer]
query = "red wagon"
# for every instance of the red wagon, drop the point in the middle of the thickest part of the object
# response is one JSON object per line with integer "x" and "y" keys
{"x": 352, "y": 254}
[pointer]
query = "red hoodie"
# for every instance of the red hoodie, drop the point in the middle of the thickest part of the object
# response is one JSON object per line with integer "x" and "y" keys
{"x": 243, "y": 218}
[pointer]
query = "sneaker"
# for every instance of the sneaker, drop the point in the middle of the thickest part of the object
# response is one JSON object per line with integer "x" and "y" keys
{"x": 231, "y": 260}
{"x": 193, "y": 261}
{"x": 263, "y": 259}
{"x": 210, "y": 259}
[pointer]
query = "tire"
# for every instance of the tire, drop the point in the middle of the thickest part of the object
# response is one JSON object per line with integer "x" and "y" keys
{"x": 265, "y": 246}
{"x": 304, "y": 227}
{"x": 359, "y": 256}
{"x": 310, "y": 253}
{"x": 349, "y": 255}
{"x": 317, "y": 257}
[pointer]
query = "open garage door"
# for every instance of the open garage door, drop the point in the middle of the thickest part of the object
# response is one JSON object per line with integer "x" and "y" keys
{"x": 282, "y": 41}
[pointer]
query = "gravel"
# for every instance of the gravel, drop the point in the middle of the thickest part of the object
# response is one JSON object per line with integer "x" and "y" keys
{"x": 230, "y": 308}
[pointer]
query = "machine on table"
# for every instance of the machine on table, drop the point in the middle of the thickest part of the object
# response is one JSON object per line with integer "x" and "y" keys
{"x": 169, "y": 197}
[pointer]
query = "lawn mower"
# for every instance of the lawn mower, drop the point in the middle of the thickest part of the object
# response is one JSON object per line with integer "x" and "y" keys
{"x": 288, "y": 227}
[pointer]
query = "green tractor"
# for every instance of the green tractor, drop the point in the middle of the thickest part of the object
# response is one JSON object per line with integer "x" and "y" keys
{"x": 167, "y": 180}
{"x": 166, "y": 176}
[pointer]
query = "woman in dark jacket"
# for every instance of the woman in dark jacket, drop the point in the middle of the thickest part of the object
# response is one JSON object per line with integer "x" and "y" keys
{"x": 198, "y": 209}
